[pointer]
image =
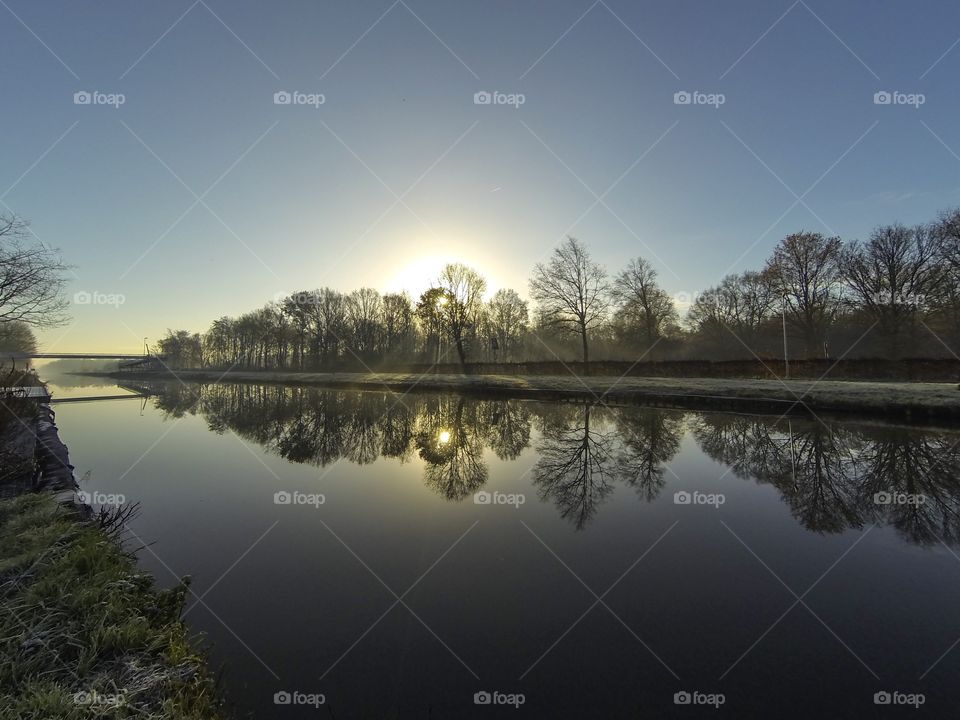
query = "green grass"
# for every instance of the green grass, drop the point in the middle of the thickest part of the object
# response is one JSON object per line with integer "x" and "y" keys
{"x": 77, "y": 616}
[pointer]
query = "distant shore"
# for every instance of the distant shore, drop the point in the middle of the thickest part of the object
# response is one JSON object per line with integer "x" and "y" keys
{"x": 901, "y": 400}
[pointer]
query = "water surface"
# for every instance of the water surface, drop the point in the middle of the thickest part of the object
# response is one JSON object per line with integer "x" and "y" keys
{"x": 813, "y": 566}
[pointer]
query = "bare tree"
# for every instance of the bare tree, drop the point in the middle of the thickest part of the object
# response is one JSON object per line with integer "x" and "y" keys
{"x": 329, "y": 325}
{"x": 643, "y": 303}
{"x": 397, "y": 324}
{"x": 429, "y": 316}
{"x": 893, "y": 276}
{"x": 805, "y": 271}
{"x": 753, "y": 298}
{"x": 464, "y": 288}
{"x": 571, "y": 291}
{"x": 947, "y": 229}
{"x": 31, "y": 278}
{"x": 365, "y": 318}
{"x": 731, "y": 316}
{"x": 945, "y": 305}
{"x": 507, "y": 318}
{"x": 294, "y": 308}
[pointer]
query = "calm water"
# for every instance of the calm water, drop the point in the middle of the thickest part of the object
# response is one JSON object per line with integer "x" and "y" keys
{"x": 787, "y": 583}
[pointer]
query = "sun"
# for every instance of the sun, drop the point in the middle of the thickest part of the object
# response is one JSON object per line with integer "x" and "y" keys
{"x": 418, "y": 275}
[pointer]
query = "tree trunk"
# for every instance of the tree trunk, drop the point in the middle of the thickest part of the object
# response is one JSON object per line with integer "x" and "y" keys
{"x": 812, "y": 347}
{"x": 586, "y": 350}
{"x": 460, "y": 352}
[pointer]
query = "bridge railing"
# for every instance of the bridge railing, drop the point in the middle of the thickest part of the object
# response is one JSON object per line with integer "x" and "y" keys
{"x": 77, "y": 356}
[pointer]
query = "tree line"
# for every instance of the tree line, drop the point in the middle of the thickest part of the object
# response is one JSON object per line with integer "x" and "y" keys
{"x": 896, "y": 294}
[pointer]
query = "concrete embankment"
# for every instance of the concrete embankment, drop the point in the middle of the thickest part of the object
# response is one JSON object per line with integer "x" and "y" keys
{"x": 54, "y": 470}
{"x": 911, "y": 401}
{"x": 35, "y": 456}
{"x": 54, "y": 473}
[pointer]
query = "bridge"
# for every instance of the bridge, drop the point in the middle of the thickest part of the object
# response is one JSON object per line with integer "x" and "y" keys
{"x": 125, "y": 361}
{"x": 79, "y": 356}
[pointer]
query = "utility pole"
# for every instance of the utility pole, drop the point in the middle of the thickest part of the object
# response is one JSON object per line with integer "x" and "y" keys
{"x": 786, "y": 361}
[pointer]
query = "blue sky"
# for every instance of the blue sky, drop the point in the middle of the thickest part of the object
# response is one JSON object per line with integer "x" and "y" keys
{"x": 399, "y": 170}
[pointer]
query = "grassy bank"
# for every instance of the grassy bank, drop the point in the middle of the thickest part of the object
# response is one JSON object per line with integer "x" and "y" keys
{"x": 900, "y": 400}
{"x": 83, "y": 633}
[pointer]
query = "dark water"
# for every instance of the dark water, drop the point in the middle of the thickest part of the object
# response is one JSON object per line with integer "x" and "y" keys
{"x": 813, "y": 567}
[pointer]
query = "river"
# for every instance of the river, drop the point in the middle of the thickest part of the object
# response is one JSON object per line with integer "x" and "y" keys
{"x": 419, "y": 555}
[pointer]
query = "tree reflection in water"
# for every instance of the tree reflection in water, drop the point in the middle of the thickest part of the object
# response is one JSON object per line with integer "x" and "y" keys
{"x": 828, "y": 476}
{"x": 584, "y": 451}
{"x": 925, "y": 464}
{"x": 449, "y": 440}
{"x": 847, "y": 476}
{"x": 649, "y": 440}
{"x": 574, "y": 468}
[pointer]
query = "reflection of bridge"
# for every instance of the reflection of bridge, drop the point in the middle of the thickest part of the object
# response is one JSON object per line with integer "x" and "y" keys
{"x": 141, "y": 392}
{"x": 42, "y": 394}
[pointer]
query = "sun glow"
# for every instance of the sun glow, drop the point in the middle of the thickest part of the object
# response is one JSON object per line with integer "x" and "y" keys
{"x": 444, "y": 437}
{"x": 421, "y": 273}
{"x": 418, "y": 275}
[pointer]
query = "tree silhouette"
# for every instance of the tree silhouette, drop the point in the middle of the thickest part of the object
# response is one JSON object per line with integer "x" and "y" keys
{"x": 32, "y": 278}
{"x": 805, "y": 272}
{"x": 463, "y": 288}
{"x": 645, "y": 309}
{"x": 571, "y": 290}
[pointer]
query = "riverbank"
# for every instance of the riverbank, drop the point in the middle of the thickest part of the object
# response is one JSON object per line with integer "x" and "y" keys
{"x": 83, "y": 633}
{"x": 898, "y": 400}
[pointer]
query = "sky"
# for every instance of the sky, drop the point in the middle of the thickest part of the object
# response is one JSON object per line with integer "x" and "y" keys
{"x": 183, "y": 191}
